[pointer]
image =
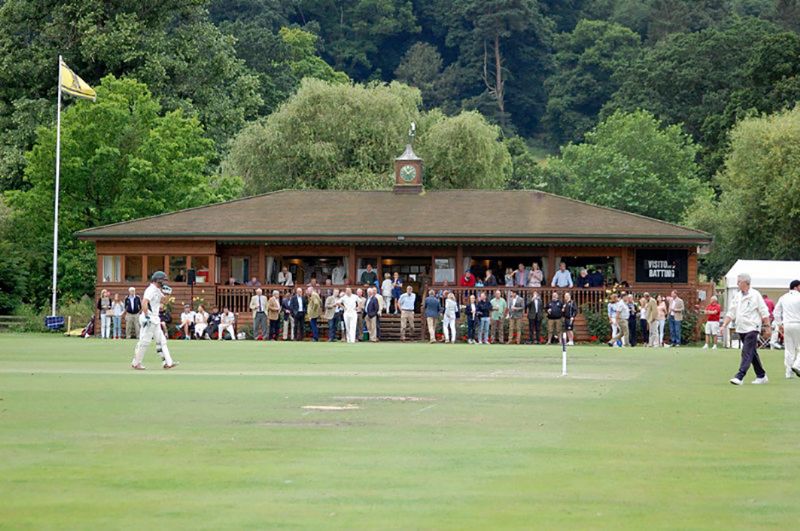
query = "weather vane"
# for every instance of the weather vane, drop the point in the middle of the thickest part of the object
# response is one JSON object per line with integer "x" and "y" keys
{"x": 412, "y": 132}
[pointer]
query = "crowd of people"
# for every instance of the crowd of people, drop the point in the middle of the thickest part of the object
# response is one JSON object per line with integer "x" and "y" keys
{"x": 652, "y": 316}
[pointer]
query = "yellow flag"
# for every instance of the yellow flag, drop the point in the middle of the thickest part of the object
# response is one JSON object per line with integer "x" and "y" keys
{"x": 74, "y": 85}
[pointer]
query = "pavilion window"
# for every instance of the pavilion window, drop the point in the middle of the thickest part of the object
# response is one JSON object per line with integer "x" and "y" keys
{"x": 240, "y": 269}
{"x": 112, "y": 269}
{"x": 155, "y": 263}
{"x": 177, "y": 268}
{"x": 445, "y": 270}
{"x": 133, "y": 268}
{"x": 200, "y": 265}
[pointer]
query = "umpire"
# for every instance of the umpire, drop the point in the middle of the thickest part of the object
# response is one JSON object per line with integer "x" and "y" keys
{"x": 750, "y": 313}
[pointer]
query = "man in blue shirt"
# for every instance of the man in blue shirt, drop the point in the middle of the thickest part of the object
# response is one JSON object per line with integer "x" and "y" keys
{"x": 562, "y": 278}
{"x": 406, "y": 303}
{"x": 432, "y": 310}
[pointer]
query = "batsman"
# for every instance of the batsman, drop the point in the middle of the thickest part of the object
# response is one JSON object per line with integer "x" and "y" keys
{"x": 151, "y": 323}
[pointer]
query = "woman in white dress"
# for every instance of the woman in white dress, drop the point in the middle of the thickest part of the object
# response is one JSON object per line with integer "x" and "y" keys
{"x": 449, "y": 322}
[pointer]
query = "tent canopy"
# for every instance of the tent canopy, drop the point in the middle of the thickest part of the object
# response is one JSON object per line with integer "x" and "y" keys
{"x": 764, "y": 274}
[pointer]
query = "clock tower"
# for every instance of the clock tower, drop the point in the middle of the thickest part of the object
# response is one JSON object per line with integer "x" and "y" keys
{"x": 408, "y": 171}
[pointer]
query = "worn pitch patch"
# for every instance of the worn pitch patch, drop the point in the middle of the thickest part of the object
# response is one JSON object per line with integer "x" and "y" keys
{"x": 387, "y": 398}
{"x": 348, "y": 407}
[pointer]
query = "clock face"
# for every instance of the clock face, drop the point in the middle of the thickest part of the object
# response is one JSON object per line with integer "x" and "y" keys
{"x": 408, "y": 173}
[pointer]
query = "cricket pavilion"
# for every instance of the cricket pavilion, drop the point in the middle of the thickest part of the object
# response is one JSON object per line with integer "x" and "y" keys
{"x": 429, "y": 237}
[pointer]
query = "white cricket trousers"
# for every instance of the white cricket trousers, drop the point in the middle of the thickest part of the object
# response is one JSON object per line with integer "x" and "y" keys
{"x": 350, "y": 322}
{"x": 791, "y": 344}
{"x": 449, "y": 327}
{"x": 146, "y": 334}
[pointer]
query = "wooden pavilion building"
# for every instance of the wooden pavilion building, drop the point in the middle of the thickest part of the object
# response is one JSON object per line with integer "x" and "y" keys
{"x": 429, "y": 238}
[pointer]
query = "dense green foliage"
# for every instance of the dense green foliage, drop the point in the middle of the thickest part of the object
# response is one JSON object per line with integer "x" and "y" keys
{"x": 631, "y": 163}
{"x": 499, "y": 84}
{"x": 346, "y": 136}
{"x": 122, "y": 158}
{"x": 758, "y": 212}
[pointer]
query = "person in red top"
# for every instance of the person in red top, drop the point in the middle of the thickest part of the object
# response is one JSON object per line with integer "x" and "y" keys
{"x": 468, "y": 280}
{"x": 773, "y": 340}
{"x": 712, "y": 312}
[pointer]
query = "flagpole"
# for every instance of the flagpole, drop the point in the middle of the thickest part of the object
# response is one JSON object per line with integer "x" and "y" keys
{"x": 58, "y": 178}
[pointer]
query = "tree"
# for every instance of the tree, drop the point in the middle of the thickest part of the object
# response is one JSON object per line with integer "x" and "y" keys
{"x": 583, "y": 81}
{"x": 690, "y": 78}
{"x": 360, "y": 36}
{"x": 464, "y": 152}
{"x": 758, "y": 211}
{"x": 326, "y": 136}
{"x": 121, "y": 158}
{"x": 346, "y": 137}
{"x": 527, "y": 173}
{"x": 633, "y": 163}
{"x": 170, "y": 45}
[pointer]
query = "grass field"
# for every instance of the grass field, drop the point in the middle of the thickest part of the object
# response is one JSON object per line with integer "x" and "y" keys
{"x": 493, "y": 438}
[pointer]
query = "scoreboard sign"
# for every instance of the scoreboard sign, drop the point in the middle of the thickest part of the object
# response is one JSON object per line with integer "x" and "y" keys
{"x": 662, "y": 266}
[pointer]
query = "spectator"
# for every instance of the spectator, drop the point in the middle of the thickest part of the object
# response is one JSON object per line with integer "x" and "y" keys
{"x": 521, "y": 276}
{"x": 484, "y": 311}
{"x": 181, "y": 276}
{"x": 387, "y": 287}
{"x": 200, "y": 322}
{"x": 360, "y": 314}
{"x": 118, "y": 309}
{"x": 333, "y": 314}
{"x": 369, "y": 277}
{"x": 712, "y": 313}
{"x": 133, "y": 306}
{"x": 643, "y": 325}
{"x": 253, "y": 283}
{"x": 298, "y": 306}
{"x": 274, "y": 314}
{"x": 314, "y": 312}
{"x": 536, "y": 276}
{"x": 285, "y": 277}
{"x": 516, "y": 311}
{"x": 450, "y": 316}
{"x": 570, "y": 311}
{"x": 621, "y": 315}
{"x": 662, "y": 318}
{"x": 187, "y": 322}
{"x": 258, "y": 305}
{"x": 432, "y": 310}
{"x": 562, "y": 278}
{"x": 499, "y": 307}
{"x": 651, "y": 315}
{"x": 471, "y": 310}
{"x": 371, "y": 311}
{"x": 676, "y": 308}
{"x": 406, "y": 302}
{"x": 535, "y": 317}
{"x": 288, "y": 320}
{"x": 611, "y": 309}
{"x": 632, "y": 318}
{"x": 508, "y": 279}
{"x": 214, "y": 321}
{"x": 468, "y": 280}
{"x": 596, "y": 279}
{"x": 106, "y": 312}
{"x": 232, "y": 281}
{"x": 397, "y": 291}
{"x": 773, "y": 341}
{"x": 583, "y": 280}
{"x": 555, "y": 312}
{"x": 490, "y": 280}
{"x": 227, "y": 324}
